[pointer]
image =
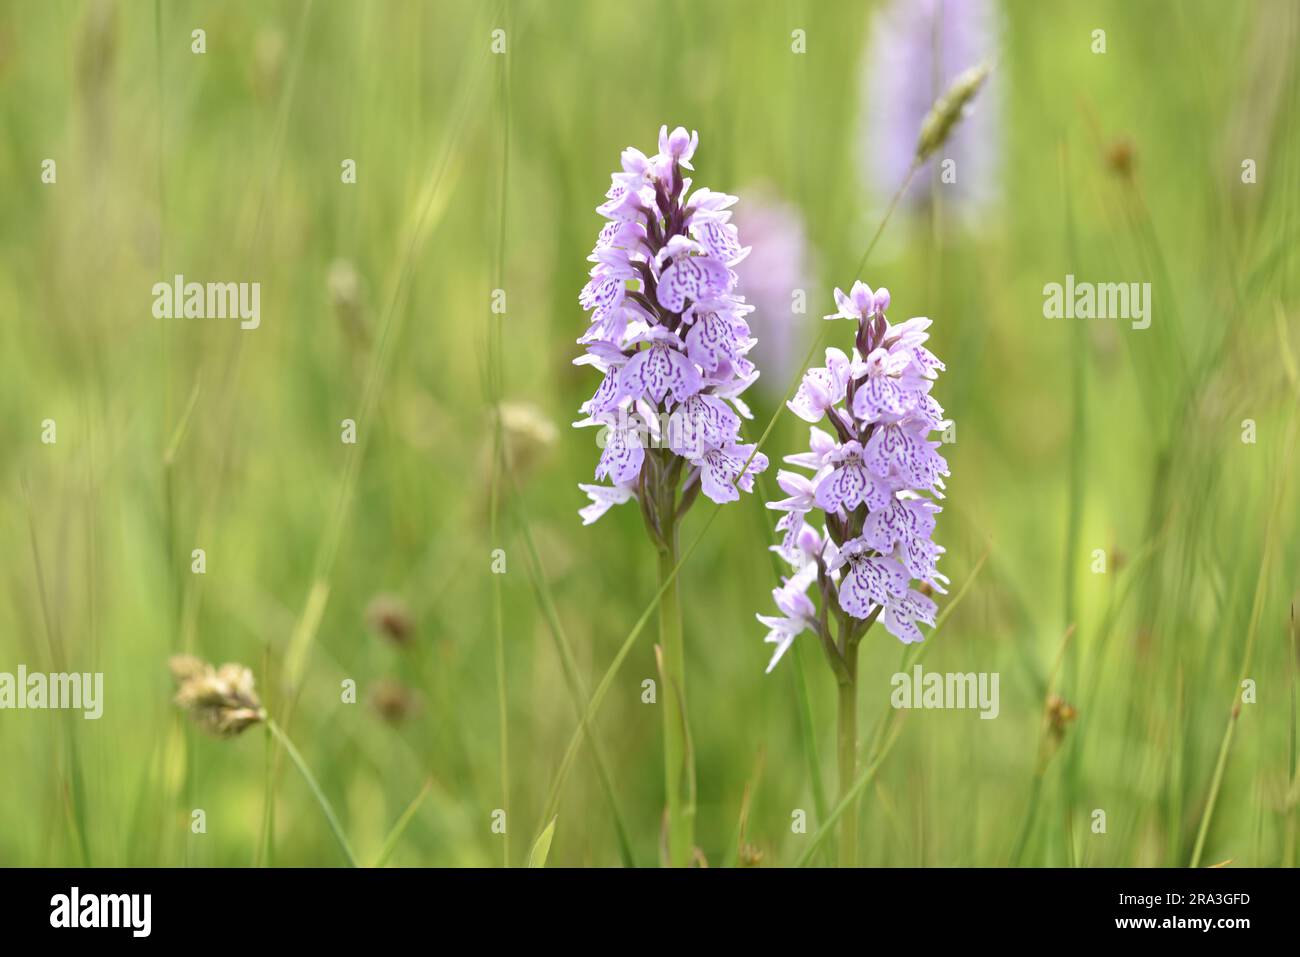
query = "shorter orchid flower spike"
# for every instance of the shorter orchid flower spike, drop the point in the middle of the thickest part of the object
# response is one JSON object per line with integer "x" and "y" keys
{"x": 875, "y": 482}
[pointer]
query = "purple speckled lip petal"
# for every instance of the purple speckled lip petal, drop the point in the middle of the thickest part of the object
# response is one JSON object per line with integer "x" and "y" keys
{"x": 691, "y": 278}
{"x": 712, "y": 341}
{"x": 621, "y": 460}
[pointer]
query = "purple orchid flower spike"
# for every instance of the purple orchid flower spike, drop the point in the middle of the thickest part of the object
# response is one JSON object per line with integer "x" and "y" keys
{"x": 875, "y": 480}
{"x": 667, "y": 331}
{"x": 871, "y": 478}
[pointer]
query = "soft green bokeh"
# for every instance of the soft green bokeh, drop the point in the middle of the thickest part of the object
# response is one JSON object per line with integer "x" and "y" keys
{"x": 226, "y": 166}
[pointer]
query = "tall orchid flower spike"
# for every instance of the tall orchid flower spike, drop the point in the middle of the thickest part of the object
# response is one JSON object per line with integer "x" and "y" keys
{"x": 875, "y": 480}
{"x": 667, "y": 332}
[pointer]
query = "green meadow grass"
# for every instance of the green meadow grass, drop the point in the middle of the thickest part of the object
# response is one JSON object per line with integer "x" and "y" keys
{"x": 478, "y": 172}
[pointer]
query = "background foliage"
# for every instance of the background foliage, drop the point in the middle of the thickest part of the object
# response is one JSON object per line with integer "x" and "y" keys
{"x": 1071, "y": 436}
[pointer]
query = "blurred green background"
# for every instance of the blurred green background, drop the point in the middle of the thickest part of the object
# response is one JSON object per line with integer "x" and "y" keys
{"x": 1072, "y": 436}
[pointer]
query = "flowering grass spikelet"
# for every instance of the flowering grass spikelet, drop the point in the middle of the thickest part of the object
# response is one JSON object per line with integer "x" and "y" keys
{"x": 923, "y": 65}
{"x": 222, "y": 700}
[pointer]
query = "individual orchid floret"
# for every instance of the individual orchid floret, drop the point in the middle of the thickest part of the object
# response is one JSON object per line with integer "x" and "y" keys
{"x": 723, "y": 472}
{"x": 678, "y": 146}
{"x": 798, "y": 613}
{"x": 603, "y": 498}
{"x": 822, "y": 387}
{"x": 860, "y": 302}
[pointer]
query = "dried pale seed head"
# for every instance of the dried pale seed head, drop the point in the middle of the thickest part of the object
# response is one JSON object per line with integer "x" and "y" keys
{"x": 344, "y": 284}
{"x": 389, "y": 617}
{"x": 187, "y": 667}
{"x": 751, "y": 855}
{"x": 346, "y": 295}
{"x": 529, "y": 434}
{"x": 222, "y": 701}
{"x": 948, "y": 109}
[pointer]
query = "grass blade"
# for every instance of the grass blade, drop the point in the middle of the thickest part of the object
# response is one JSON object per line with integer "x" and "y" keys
{"x": 542, "y": 846}
{"x": 390, "y": 842}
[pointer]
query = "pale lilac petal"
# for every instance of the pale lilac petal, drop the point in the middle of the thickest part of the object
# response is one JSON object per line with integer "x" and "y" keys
{"x": 691, "y": 278}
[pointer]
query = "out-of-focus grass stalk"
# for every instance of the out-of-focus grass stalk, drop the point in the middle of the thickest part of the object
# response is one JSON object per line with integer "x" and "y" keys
{"x": 1079, "y": 403}
{"x": 808, "y": 733}
{"x": 1077, "y": 486}
{"x": 1225, "y": 746}
{"x": 1044, "y": 755}
{"x": 495, "y": 386}
{"x": 849, "y": 800}
{"x": 1293, "y": 783}
{"x": 1292, "y": 635}
{"x": 75, "y": 791}
{"x": 331, "y": 818}
{"x": 572, "y": 679}
{"x": 1256, "y": 610}
{"x": 266, "y": 842}
{"x": 174, "y": 579}
{"x": 884, "y": 221}
{"x": 395, "y": 835}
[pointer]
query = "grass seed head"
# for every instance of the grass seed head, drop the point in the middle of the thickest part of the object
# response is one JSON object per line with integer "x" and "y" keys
{"x": 390, "y": 618}
{"x": 1060, "y": 714}
{"x": 529, "y": 434}
{"x": 948, "y": 109}
{"x": 222, "y": 701}
{"x": 392, "y": 700}
{"x": 1121, "y": 155}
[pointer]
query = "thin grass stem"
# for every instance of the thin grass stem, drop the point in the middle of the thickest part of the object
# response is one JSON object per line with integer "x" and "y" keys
{"x": 330, "y": 817}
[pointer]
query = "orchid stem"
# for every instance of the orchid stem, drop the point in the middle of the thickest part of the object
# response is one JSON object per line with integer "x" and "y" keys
{"x": 848, "y": 758}
{"x": 677, "y": 774}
